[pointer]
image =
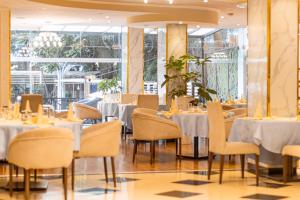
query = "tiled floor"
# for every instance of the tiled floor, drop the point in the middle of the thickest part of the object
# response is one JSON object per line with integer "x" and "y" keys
{"x": 166, "y": 186}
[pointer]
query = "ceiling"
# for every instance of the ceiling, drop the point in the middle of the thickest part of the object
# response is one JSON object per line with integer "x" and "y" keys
{"x": 38, "y": 13}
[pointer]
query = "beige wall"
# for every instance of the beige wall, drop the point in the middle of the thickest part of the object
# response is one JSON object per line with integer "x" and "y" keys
{"x": 4, "y": 56}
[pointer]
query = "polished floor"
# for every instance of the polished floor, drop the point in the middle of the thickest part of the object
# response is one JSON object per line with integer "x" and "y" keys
{"x": 167, "y": 179}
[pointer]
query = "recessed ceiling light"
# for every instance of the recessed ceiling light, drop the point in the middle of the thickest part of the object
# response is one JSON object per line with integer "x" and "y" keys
{"x": 171, "y": 1}
{"x": 180, "y": 22}
{"x": 107, "y": 17}
{"x": 145, "y": 1}
{"x": 205, "y": 1}
{"x": 222, "y": 17}
{"x": 198, "y": 26}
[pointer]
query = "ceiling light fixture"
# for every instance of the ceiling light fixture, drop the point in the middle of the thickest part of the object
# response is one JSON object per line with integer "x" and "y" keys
{"x": 107, "y": 17}
{"x": 146, "y": 1}
{"x": 180, "y": 22}
{"x": 222, "y": 17}
{"x": 171, "y": 1}
{"x": 205, "y": 1}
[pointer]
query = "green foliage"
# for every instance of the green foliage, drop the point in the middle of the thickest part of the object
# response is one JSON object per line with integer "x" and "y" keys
{"x": 176, "y": 75}
{"x": 108, "y": 84}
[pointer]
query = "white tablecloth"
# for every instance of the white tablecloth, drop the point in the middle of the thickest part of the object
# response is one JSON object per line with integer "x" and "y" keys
{"x": 192, "y": 124}
{"x": 109, "y": 109}
{"x": 10, "y": 129}
{"x": 272, "y": 134}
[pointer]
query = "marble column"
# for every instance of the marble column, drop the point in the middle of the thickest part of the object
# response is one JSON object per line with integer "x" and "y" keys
{"x": 176, "y": 44}
{"x": 284, "y": 58}
{"x": 135, "y": 63}
{"x": 5, "y": 56}
{"x": 272, "y": 57}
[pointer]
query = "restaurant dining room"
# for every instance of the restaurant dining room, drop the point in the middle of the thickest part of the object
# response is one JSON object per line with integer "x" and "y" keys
{"x": 149, "y": 99}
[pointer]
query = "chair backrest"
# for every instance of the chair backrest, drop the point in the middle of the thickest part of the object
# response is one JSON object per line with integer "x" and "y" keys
{"x": 148, "y": 101}
{"x": 101, "y": 140}
{"x": 129, "y": 99}
{"x": 83, "y": 111}
{"x": 34, "y": 101}
{"x": 217, "y": 132}
{"x": 183, "y": 102}
{"x": 43, "y": 148}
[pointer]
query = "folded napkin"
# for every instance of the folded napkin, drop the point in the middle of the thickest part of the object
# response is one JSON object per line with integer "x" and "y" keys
{"x": 27, "y": 107}
{"x": 70, "y": 116}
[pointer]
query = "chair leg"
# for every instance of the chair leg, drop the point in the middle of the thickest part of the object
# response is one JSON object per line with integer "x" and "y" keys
{"x": 285, "y": 168}
{"x": 113, "y": 171}
{"x": 73, "y": 174}
{"x": 210, "y": 159}
{"x": 17, "y": 171}
{"x": 257, "y": 169}
{"x": 35, "y": 175}
{"x": 105, "y": 169}
{"x": 27, "y": 183}
{"x": 10, "y": 180}
{"x": 242, "y": 157}
{"x": 65, "y": 182}
{"x": 221, "y": 168}
{"x": 134, "y": 150}
{"x": 180, "y": 148}
{"x": 151, "y": 152}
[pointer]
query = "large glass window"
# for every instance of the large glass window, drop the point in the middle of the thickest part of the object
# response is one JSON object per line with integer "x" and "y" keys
{"x": 64, "y": 66}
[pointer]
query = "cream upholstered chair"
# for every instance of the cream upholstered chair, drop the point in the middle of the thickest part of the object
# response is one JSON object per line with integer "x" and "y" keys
{"x": 219, "y": 145}
{"x": 148, "y": 127}
{"x": 288, "y": 153}
{"x": 148, "y": 101}
{"x": 129, "y": 98}
{"x": 33, "y": 150}
{"x": 100, "y": 140}
{"x": 34, "y": 101}
{"x": 183, "y": 102}
{"x": 238, "y": 113}
{"x": 85, "y": 112}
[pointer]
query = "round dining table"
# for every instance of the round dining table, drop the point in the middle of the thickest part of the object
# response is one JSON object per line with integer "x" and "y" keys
{"x": 9, "y": 129}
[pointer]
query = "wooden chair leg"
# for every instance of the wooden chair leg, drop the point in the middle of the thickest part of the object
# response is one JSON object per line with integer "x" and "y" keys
{"x": 10, "y": 179}
{"x": 152, "y": 150}
{"x": 27, "y": 184}
{"x": 17, "y": 171}
{"x": 221, "y": 168}
{"x": 113, "y": 171}
{"x": 105, "y": 169}
{"x": 180, "y": 148}
{"x": 73, "y": 174}
{"x": 35, "y": 175}
{"x": 65, "y": 182}
{"x": 134, "y": 150}
{"x": 257, "y": 169}
{"x": 285, "y": 168}
{"x": 242, "y": 157}
{"x": 210, "y": 159}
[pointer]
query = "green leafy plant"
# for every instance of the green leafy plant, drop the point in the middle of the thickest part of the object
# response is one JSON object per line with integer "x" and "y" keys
{"x": 178, "y": 77}
{"x": 108, "y": 84}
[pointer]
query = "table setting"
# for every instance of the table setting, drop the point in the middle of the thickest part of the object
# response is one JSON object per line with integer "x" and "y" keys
{"x": 12, "y": 123}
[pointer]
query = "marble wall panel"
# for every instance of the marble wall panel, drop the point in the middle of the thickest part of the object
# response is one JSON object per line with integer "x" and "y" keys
{"x": 135, "y": 68}
{"x": 284, "y": 58}
{"x": 257, "y": 56}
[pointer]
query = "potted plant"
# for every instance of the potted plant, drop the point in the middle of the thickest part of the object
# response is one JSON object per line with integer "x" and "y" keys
{"x": 177, "y": 76}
